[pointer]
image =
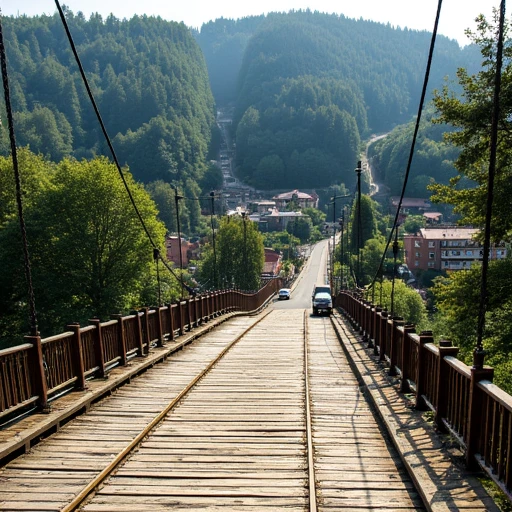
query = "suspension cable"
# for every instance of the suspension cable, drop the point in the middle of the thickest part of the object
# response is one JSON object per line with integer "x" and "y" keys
{"x": 19, "y": 201}
{"x": 413, "y": 144}
{"x": 109, "y": 143}
{"x": 478, "y": 359}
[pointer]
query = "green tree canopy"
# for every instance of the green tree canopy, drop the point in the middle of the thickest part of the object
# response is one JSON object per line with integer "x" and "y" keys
{"x": 239, "y": 255}
{"x": 471, "y": 115}
{"x": 90, "y": 255}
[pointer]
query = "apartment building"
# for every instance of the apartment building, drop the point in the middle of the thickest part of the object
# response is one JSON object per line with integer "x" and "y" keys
{"x": 446, "y": 248}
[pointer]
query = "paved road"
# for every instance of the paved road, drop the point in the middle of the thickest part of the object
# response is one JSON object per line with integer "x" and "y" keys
{"x": 314, "y": 272}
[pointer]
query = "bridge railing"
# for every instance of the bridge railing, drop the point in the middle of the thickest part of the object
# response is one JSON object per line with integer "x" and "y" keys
{"x": 463, "y": 399}
{"x": 40, "y": 370}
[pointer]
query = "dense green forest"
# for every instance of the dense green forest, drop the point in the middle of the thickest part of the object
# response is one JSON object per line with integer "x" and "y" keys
{"x": 432, "y": 160}
{"x": 311, "y": 86}
{"x": 150, "y": 82}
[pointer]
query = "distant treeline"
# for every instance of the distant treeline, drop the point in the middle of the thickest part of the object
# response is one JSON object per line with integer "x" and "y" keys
{"x": 311, "y": 86}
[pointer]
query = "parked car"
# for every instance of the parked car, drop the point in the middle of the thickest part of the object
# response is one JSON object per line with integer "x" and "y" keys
{"x": 322, "y": 302}
{"x": 284, "y": 294}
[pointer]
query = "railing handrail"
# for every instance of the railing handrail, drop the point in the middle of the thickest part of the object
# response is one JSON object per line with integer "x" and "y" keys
{"x": 41, "y": 366}
{"x": 464, "y": 399}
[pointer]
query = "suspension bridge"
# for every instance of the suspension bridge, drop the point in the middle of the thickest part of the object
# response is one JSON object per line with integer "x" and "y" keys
{"x": 238, "y": 402}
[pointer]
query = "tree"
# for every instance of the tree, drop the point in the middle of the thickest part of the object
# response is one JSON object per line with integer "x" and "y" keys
{"x": 317, "y": 216}
{"x": 455, "y": 298}
{"x": 239, "y": 255}
{"x": 301, "y": 228}
{"x": 407, "y": 302}
{"x": 368, "y": 222}
{"x": 413, "y": 223}
{"x": 471, "y": 115}
{"x": 90, "y": 255}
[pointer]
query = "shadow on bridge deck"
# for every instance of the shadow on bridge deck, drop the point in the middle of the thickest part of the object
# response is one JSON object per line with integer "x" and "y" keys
{"x": 443, "y": 483}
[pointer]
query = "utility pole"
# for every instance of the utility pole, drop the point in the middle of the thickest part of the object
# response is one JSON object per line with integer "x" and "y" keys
{"x": 212, "y": 196}
{"x": 342, "y": 225}
{"x": 244, "y": 280}
{"x": 177, "y": 198}
{"x": 358, "y": 272}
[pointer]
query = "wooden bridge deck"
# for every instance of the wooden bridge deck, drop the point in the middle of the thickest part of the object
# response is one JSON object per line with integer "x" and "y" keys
{"x": 239, "y": 439}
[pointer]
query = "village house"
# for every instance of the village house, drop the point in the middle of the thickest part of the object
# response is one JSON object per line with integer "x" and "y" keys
{"x": 302, "y": 199}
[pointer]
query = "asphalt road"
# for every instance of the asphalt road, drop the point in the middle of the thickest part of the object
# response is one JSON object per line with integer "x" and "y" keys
{"x": 314, "y": 272}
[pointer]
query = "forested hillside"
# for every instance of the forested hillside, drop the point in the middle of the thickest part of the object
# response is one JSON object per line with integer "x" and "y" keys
{"x": 432, "y": 161}
{"x": 149, "y": 79}
{"x": 312, "y": 85}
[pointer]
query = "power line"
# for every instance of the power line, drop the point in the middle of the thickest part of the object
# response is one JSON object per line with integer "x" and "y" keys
{"x": 413, "y": 144}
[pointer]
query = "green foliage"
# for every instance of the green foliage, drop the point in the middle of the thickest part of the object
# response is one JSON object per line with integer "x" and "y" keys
{"x": 470, "y": 115}
{"x": 407, "y": 302}
{"x": 239, "y": 255}
{"x": 317, "y": 216}
{"x": 457, "y": 297}
{"x": 283, "y": 242}
{"x": 301, "y": 227}
{"x": 367, "y": 225}
{"x": 150, "y": 83}
{"x": 432, "y": 160}
{"x": 90, "y": 255}
{"x": 413, "y": 223}
{"x": 370, "y": 257}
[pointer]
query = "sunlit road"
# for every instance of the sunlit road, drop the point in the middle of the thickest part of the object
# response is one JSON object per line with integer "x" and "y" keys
{"x": 314, "y": 272}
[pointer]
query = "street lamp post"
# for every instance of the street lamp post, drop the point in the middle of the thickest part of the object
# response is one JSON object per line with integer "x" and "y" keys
{"x": 358, "y": 273}
{"x": 177, "y": 198}
{"x": 395, "y": 254}
{"x": 333, "y": 199}
{"x": 333, "y": 242}
{"x": 244, "y": 280}
{"x": 342, "y": 226}
{"x": 212, "y": 196}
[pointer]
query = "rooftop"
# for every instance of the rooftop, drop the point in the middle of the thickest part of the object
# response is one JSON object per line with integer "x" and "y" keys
{"x": 290, "y": 195}
{"x": 454, "y": 233}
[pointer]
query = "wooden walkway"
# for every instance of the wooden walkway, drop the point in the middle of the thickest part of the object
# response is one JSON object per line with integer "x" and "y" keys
{"x": 240, "y": 440}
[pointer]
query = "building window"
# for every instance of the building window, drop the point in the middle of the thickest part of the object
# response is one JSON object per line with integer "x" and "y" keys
{"x": 431, "y": 255}
{"x": 417, "y": 243}
{"x": 418, "y": 254}
{"x": 430, "y": 264}
{"x": 469, "y": 253}
{"x": 431, "y": 244}
{"x": 446, "y": 263}
{"x": 443, "y": 243}
{"x": 416, "y": 263}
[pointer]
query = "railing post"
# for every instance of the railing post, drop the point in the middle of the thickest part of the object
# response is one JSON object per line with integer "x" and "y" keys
{"x": 475, "y": 413}
{"x": 406, "y": 350}
{"x": 38, "y": 371}
{"x": 376, "y": 329}
{"x": 393, "y": 349}
{"x": 77, "y": 355}
{"x": 371, "y": 325}
{"x": 421, "y": 371}
{"x": 171, "y": 322}
{"x": 121, "y": 340}
{"x": 180, "y": 318}
{"x": 160, "y": 340}
{"x": 445, "y": 349}
{"x": 145, "y": 335}
{"x": 98, "y": 347}
{"x": 383, "y": 336}
{"x": 189, "y": 313}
